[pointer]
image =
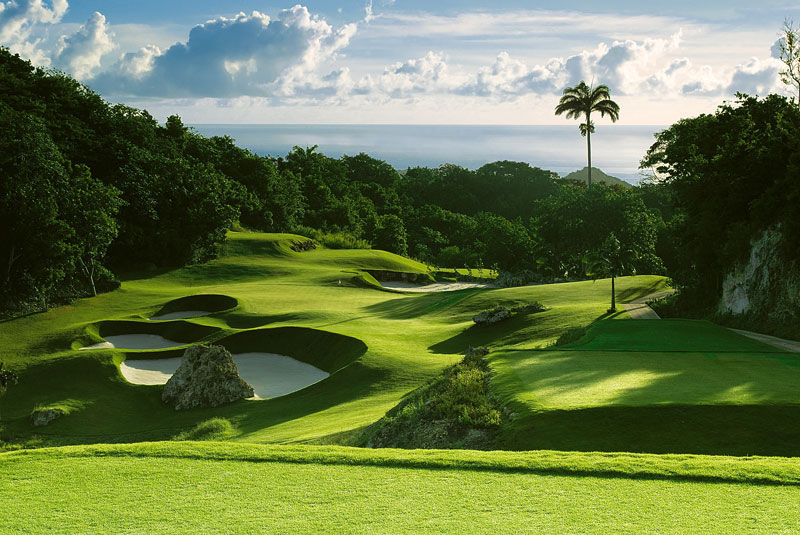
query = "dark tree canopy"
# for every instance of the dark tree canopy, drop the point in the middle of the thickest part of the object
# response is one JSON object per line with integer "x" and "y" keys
{"x": 731, "y": 175}
{"x": 107, "y": 189}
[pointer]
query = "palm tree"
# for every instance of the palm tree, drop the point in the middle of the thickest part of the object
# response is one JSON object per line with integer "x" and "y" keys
{"x": 611, "y": 260}
{"x": 581, "y": 101}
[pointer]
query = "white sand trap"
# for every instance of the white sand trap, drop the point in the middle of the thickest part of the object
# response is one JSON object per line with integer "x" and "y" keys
{"x": 99, "y": 345}
{"x": 269, "y": 374}
{"x": 436, "y": 287}
{"x": 182, "y": 315}
{"x": 149, "y": 372}
{"x": 136, "y": 341}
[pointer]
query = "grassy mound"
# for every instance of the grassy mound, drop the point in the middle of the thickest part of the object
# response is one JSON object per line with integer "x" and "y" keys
{"x": 215, "y": 429}
{"x": 204, "y": 302}
{"x": 327, "y": 351}
{"x": 178, "y": 330}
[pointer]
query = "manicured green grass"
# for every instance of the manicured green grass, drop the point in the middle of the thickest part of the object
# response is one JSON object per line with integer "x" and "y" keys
{"x": 634, "y": 386}
{"x": 695, "y": 386}
{"x": 408, "y": 338}
{"x": 667, "y": 335}
{"x": 194, "y": 487}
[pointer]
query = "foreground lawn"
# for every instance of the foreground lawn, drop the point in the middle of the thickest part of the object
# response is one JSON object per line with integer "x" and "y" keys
{"x": 191, "y": 487}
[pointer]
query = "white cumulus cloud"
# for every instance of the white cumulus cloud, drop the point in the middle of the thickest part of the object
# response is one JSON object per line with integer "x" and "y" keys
{"x": 226, "y": 57}
{"x": 19, "y": 20}
{"x": 80, "y": 53}
{"x": 425, "y": 75}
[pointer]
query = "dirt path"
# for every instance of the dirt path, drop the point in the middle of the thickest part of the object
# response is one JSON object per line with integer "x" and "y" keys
{"x": 639, "y": 310}
{"x": 780, "y": 343}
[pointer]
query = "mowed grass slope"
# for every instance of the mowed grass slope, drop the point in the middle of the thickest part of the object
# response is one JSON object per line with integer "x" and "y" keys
{"x": 194, "y": 487}
{"x": 409, "y": 339}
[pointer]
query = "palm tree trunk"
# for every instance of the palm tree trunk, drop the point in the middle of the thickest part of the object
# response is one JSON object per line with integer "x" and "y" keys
{"x": 589, "y": 150}
{"x": 613, "y": 296}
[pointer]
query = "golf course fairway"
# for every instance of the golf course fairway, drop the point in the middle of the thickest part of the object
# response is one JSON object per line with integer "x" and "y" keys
{"x": 632, "y": 426}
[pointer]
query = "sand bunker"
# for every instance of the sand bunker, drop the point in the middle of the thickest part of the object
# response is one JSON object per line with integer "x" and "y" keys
{"x": 135, "y": 341}
{"x": 182, "y": 315}
{"x": 269, "y": 374}
{"x": 149, "y": 372}
{"x": 436, "y": 287}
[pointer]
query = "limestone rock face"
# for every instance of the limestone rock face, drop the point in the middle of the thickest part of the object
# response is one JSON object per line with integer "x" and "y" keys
{"x": 768, "y": 283}
{"x": 206, "y": 377}
{"x": 43, "y": 417}
{"x": 490, "y": 317}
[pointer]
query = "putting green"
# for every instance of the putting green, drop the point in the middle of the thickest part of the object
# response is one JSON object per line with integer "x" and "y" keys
{"x": 666, "y": 386}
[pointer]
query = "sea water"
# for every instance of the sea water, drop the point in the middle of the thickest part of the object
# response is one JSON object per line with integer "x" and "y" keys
{"x": 616, "y": 149}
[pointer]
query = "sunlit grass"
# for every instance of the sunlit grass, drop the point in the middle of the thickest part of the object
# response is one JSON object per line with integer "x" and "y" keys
{"x": 410, "y": 338}
{"x": 192, "y": 487}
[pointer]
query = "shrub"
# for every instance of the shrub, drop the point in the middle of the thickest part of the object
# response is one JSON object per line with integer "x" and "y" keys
{"x": 343, "y": 240}
{"x": 332, "y": 240}
{"x": 455, "y": 410}
{"x": 213, "y": 429}
{"x": 508, "y": 279}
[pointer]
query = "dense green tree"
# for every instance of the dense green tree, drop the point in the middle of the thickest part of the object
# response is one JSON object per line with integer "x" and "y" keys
{"x": 732, "y": 175}
{"x": 273, "y": 200}
{"x": 32, "y": 178}
{"x": 577, "y": 220}
{"x": 505, "y": 244}
{"x": 90, "y": 209}
{"x": 579, "y": 102}
{"x": 391, "y": 235}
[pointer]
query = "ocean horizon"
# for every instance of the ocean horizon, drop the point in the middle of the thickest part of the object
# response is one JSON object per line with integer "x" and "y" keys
{"x": 616, "y": 149}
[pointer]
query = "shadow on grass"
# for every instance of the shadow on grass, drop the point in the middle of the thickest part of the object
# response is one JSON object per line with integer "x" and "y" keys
{"x": 244, "y": 320}
{"x": 636, "y": 292}
{"x": 418, "y": 305}
{"x": 510, "y": 332}
{"x": 740, "y": 430}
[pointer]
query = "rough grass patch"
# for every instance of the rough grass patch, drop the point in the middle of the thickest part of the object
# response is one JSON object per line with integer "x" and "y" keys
{"x": 213, "y": 429}
{"x": 573, "y": 334}
{"x": 455, "y": 410}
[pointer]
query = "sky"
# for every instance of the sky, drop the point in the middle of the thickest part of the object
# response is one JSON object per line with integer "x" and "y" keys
{"x": 404, "y": 61}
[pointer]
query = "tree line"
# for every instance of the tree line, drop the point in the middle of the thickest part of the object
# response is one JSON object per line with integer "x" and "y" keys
{"x": 90, "y": 190}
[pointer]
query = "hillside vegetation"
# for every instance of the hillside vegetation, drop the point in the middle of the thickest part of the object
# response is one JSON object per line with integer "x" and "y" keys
{"x": 598, "y": 176}
{"x": 731, "y": 245}
{"x": 91, "y": 191}
{"x": 282, "y": 298}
